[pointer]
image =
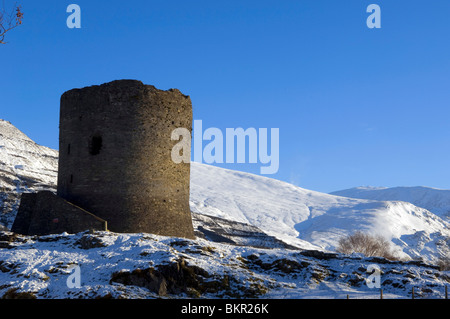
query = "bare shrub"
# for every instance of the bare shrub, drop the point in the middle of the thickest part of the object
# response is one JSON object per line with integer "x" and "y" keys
{"x": 367, "y": 244}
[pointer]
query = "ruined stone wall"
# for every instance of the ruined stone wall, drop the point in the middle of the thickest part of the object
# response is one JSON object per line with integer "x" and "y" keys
{"x": 45, "y": 213}
{"x": 115, "y": 156}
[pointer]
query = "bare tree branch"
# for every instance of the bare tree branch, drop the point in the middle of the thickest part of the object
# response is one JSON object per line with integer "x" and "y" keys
{"x": 9, "y": 20}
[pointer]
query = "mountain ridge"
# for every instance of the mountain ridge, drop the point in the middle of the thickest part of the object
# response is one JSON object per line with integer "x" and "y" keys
{"x": 256, "y": 238}
{"x": 299, "y": 216}
{"x": 285, "y": 213}
{"x": 432, "y": 199}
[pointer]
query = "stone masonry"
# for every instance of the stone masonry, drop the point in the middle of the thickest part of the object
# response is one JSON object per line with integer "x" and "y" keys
{"x": 45, "y": 213}
{"x": 115, "y": 158}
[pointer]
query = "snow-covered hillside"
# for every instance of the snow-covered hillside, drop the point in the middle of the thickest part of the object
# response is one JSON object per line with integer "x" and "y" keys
{"x": 23, "y": 163}
{"x": 310, "y": 219}
{"x": 298, "y": 217}
{"x": 257, "y": 237}
{"x": 132, "y": 266}
{"x": 24, "y": 167}
{"x": 435, "y": 200}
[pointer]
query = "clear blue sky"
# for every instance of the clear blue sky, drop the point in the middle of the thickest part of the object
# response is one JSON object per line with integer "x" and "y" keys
{"x": 355, "y": 106}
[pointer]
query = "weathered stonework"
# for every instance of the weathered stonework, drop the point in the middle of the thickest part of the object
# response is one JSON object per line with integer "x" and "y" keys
{"x": 44, "y": 213}
{"x": 115, "y": 157}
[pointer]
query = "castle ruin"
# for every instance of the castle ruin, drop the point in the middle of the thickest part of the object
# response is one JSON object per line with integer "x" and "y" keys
{"x": 115, "y": 168}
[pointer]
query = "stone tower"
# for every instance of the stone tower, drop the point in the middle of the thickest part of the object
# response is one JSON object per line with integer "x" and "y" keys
{"x": 115, "y": 157}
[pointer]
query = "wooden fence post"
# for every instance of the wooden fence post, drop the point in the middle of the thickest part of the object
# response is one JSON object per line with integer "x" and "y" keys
{"x": 412, "y": 294}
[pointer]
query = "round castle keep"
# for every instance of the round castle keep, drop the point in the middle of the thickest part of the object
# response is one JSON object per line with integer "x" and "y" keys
{"x": 115, "y": 156}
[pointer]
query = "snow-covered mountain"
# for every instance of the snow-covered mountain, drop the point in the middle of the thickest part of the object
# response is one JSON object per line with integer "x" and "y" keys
{"x": 435, "y": 200}
{"x": 256, "y": 237}
{"x": 24, "y": 167}
{"x": 313, "y": 220}
{"x": 23, "y": 162}
{"x": 245, "y": 209}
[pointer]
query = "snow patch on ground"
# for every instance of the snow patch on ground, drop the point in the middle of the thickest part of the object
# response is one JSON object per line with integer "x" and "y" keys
{"x": 147, "y": 266}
